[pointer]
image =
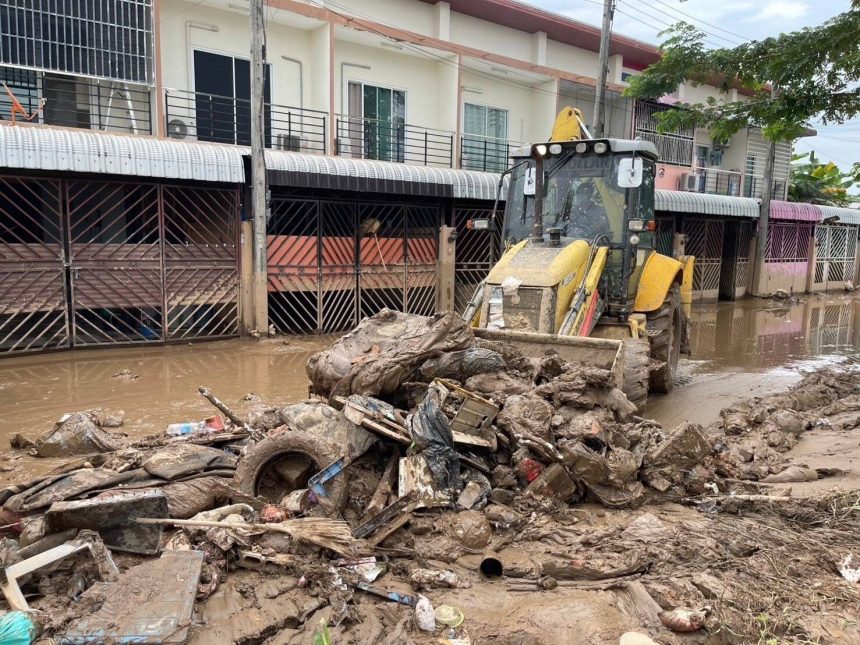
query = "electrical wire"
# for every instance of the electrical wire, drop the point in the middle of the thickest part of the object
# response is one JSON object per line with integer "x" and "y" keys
{"x": 743, "y": 39}
{"x": 181, "y": 11}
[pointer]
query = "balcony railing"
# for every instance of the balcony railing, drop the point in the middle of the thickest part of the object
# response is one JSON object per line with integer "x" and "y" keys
{"x": 383, "y": 140}
{"x": 753, "y": 186}
{"x": 488, "y": 154}
{"x": 223, "y": 119}
{"x": 72, "y": 102}
{"x": 715, "y": 181}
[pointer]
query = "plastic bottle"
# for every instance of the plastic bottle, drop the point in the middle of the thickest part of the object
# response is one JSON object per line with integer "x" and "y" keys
{"x": 182, "y": 429}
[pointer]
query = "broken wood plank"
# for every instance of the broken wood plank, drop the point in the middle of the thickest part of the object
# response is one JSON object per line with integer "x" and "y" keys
{"x": 383, "y": 490}
{"x": 470, "y": 440}
{"x": 398, "y": 523}
{"x": 387, "y": 515}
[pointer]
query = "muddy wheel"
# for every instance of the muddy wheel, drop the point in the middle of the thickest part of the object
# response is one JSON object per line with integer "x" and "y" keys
{"x": 665, "y": 333}
{"x": 636, "y": 375}
{"x": 284, "y": 462}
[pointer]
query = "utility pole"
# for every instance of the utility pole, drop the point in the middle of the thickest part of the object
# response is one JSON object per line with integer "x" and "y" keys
{"x": 763, "y": 219}
{"x": 764, "y": 214}
{"x": 605, "y": 37}
{"x": 258, "y": 170}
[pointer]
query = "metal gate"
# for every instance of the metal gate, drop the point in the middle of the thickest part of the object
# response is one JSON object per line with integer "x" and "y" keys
{"x": 705, "y": 242}
{"x": 835, "y": 256}
{"x": 474, "y": 254}
{"x": 115, "y": 267}
{"x": 735, "y": 269}
{"x": 664, "y": 236}
{"x": 33, "y": 312}
{"x": 86, "y": 263}
{"x": 201, "y": 262}
{"x": 333, "y": 262}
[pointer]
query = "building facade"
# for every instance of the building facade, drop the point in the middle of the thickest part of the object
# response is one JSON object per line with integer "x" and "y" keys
{"x": 449, "y": 84}
{"x": 123, "y": 161}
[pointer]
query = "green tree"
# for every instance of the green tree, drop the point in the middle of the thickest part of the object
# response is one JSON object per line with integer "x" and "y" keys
{"x": 816, "y": 71}
{"x": 821, "y": 183}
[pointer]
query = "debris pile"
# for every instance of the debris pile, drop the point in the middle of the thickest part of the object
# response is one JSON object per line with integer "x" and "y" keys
{"x": 431, "y": 481}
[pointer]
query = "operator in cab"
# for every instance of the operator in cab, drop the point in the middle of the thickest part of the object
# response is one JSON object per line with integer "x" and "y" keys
{"x": 587, "y": 218}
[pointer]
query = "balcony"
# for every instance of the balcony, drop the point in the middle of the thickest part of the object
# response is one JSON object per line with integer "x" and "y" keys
{"x": 361, "y": 138}
{"x": 71, "y": 102}
{"x": 715, "y": 181}
{"x": 222, "y": 119}
{"x": 487, "y": 154}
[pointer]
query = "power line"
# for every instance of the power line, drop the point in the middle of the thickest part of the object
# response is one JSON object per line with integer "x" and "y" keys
{"x": 662, "y": 22}
{"x": 181, "y": 11}
{"x": 418, "y": 49}
{"x": 744, "y": 39}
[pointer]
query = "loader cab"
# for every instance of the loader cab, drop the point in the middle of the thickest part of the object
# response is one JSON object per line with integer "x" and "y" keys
{"x": 597, "y": 190}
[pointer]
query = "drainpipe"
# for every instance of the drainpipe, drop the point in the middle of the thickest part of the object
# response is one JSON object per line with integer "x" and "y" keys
{"x": 301, "y": 79}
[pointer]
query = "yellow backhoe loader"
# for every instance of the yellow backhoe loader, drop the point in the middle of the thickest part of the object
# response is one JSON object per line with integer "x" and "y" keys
{"x": 579, "y": 273}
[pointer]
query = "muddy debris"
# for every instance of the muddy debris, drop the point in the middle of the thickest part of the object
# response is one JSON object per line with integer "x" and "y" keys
{"x": 440, "y": 488}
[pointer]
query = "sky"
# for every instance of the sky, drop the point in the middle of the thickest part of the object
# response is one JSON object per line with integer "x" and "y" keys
{"x": 727, "y": 23}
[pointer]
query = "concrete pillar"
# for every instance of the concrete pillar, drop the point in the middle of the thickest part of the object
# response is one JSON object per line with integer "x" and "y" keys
{"x": 616, "y": 62}
{"x": 544, "y": 109}
{"x": 447, "y": 101}
{"x": 445, "y": 284}
{"x": 321, "y": 77}
{"x": 246, "y": 277}
{"x": 442, "y": 20}
{"x": 539, "y": 48}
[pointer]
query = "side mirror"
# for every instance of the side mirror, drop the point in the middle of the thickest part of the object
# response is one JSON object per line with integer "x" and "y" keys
{"x": 531, "y": 182}
{"x": 630, "y": 172}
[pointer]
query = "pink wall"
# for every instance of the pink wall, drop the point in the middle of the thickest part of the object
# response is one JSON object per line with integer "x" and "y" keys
{"x": 671, "y": 176}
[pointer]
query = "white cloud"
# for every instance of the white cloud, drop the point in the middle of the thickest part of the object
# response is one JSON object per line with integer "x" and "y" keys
{"x": 782, "y": 10}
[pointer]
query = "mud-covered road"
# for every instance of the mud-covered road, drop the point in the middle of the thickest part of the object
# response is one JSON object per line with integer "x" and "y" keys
{"x": 749, "y": 348}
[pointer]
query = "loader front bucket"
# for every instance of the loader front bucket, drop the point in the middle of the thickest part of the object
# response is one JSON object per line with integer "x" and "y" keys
{"x": 603, "y": 353}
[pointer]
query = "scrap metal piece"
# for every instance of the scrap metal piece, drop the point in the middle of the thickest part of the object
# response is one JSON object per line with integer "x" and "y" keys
{"x": 114, "y": 519}
{"x": 149, "y": 603}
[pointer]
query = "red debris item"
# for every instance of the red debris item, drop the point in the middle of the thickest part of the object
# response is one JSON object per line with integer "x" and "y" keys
{"x": 271, "y": 514}
{"x": 529, "y": 469}
{"x": 10, "y": 522}
{"x": 215, "y": 424}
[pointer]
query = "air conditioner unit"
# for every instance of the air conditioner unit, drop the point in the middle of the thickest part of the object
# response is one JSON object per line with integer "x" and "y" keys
{"x": 347, "y": 147}
{"x": 689, "y": 182}
{"x": 288, "y": 142}
{"x": 182, "y": 129}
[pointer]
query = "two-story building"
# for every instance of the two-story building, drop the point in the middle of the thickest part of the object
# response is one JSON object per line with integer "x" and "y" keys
{"x": 124, "y": 175}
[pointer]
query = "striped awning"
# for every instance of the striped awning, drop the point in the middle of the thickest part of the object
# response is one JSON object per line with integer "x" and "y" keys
{"x": 675, "y": 201}
{"x": 794, "y": 211}
{"x": 35, "y": 147}
{"x": 846, "y": 215}
{"x": 318, "y": 171}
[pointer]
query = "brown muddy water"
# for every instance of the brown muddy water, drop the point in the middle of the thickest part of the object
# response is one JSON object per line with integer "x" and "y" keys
{"x": 755, "y": 347}
{"x": 741, "y": 349}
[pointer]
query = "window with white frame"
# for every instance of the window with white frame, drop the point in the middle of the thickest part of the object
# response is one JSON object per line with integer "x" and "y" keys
{"x": 376, "y": 123}
{"x": 485, "y": 138}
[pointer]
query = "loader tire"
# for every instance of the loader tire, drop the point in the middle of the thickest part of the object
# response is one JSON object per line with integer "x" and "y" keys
{"x": 665, "y": 334}
{"x": 283, "y": 462}
{"x": 636, "y": 375}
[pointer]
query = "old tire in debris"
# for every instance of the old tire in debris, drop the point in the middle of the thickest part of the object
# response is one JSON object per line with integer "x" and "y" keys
{"x": 636, "y": 374}
{"x": 665, "y": 333}
{"x": 283, "y": 462}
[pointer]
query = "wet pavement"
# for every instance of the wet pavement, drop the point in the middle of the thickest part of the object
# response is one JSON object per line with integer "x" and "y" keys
{"x": 755, "y": 347}
{"x": 749, "y": 348}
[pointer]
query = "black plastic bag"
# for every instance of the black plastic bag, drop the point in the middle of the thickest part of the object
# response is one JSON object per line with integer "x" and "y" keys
{"x": 430, "y": 431}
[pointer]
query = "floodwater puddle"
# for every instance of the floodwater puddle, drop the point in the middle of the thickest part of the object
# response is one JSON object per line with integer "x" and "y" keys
{"x": 755, "y": 347}
{"x": 747, "y": 348}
